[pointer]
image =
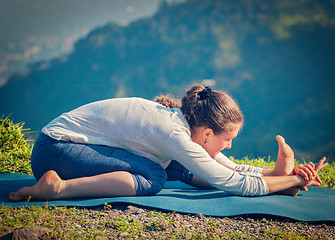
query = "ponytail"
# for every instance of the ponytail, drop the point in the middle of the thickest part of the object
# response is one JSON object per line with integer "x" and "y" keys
{"x": 168, "y": 101}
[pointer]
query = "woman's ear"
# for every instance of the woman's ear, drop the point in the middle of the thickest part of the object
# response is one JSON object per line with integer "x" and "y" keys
{"x": 200, "y": 135}
{"x": 207, "y": 132}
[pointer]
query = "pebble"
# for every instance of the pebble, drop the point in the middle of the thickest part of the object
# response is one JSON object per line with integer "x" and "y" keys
{"x": 139, "y": 211}
{"x": 199, "y": 215}
{"x": 123, "y": 234}
{"x": 130, "y": 209}
{"x": 101, "y": 238}
{"x": 76, "y": 225}
{"x": 36, "y": 232}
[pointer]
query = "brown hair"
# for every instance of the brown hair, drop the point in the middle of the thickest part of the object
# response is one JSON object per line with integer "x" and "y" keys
{"x": 168, "y": 101}
{"x": 203, "y": 107}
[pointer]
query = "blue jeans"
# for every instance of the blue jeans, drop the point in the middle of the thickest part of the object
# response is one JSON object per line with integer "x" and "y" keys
{"x": 74, "y": 160}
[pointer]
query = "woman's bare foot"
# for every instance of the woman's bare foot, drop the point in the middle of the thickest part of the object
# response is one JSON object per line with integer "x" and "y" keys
{"x": 285, "y": 159}
{"x": 293, "y": 191}
{"x": 47, "y": 188}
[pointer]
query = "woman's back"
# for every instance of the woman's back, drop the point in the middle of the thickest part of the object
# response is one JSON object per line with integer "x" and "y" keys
{"x": 135, "y": 124}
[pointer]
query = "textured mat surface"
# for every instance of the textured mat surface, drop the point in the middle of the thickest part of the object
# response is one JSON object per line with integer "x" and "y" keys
{"x": 317, "y": 204}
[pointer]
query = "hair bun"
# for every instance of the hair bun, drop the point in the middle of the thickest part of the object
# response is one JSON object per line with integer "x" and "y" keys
{"x": 205, "y": 93}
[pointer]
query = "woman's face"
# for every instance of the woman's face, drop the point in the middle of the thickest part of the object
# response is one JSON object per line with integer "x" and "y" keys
{"x": 214, "y": 143}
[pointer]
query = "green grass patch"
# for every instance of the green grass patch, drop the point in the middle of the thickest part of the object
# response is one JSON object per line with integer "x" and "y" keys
{"x": 258, "y": 162}
{"x": 15, "y": 150}
{"x": 83, "y": 223}
{"x": 327, "y": 175}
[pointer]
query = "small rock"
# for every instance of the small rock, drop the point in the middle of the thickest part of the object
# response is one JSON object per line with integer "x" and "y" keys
{"x": 139, "y": 211}
{"x": 199, "y": 215}
{"x": 76, "y": 225}
{"x": 101, "y": 238}
{"x": 123, "y": 234}
{"x": 130, "y": 209}
{"x": 31, "y": 233}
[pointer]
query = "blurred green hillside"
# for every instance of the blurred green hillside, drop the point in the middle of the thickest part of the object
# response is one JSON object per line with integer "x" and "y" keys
{"x": 275, "y": 57}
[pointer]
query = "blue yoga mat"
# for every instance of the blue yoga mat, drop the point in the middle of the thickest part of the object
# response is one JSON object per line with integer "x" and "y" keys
{"x": 317, "y": 204}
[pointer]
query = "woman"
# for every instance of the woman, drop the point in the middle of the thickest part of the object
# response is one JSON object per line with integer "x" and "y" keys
{"x": 124, "y": 147}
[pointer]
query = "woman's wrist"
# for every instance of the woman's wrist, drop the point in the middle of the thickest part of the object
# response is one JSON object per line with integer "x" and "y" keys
{"x": 300, "y": 181}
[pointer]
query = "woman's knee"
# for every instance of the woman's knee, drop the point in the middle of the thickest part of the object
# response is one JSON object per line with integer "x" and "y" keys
{"x": 41, "y": 155}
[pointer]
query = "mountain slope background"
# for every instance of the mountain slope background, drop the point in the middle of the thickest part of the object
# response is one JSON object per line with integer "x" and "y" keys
{"x": 37, "y": 30}
{"x": 275, "y": 58}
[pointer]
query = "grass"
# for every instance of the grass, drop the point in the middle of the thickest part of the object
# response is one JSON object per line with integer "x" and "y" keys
{"x": 83, "y": 223}
{"x": 15, "y": 150}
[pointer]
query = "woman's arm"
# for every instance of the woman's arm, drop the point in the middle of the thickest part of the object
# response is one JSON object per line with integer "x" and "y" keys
{"x": 194, "y": 158}
{"x": 225, "y": 161}
{"x": 279, "y": 183}
{"x": 288, "y": 185}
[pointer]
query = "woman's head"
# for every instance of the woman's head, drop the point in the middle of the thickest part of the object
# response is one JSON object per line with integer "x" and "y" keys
{"x": 214, "y": 117}
{"x": 216, "y": 110}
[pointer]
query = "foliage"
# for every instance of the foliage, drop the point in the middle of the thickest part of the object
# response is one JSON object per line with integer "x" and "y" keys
{"x": 15, "y": 150}
{"x": 260, "y": 162}
{"x": 327, "y": 176}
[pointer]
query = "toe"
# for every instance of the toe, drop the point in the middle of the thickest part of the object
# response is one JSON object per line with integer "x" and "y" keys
{"x": 22, "y": 194}
{"x": 280, "y": 139}
{"x": 13, "y": 197}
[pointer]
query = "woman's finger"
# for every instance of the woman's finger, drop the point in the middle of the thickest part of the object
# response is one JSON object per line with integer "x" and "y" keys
{"x": 311, "y": 164}
{"x": 311, "y": 170}
{"x": 308, "y": 172}
{"x": 321, "y": 164}
{"x": 303, "y": 174}
{"x": 313, "y": 183}
{"x": 297, "y": 168}
{"x": 318, "y": 179}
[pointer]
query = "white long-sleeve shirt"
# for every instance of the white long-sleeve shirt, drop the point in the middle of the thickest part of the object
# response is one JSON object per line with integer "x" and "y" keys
{"x": 161, "y": 134}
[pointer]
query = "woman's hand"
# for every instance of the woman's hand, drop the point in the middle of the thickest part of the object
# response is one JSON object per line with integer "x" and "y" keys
{"x": 309, "y": 173}
{"x": 321, "y": 164}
